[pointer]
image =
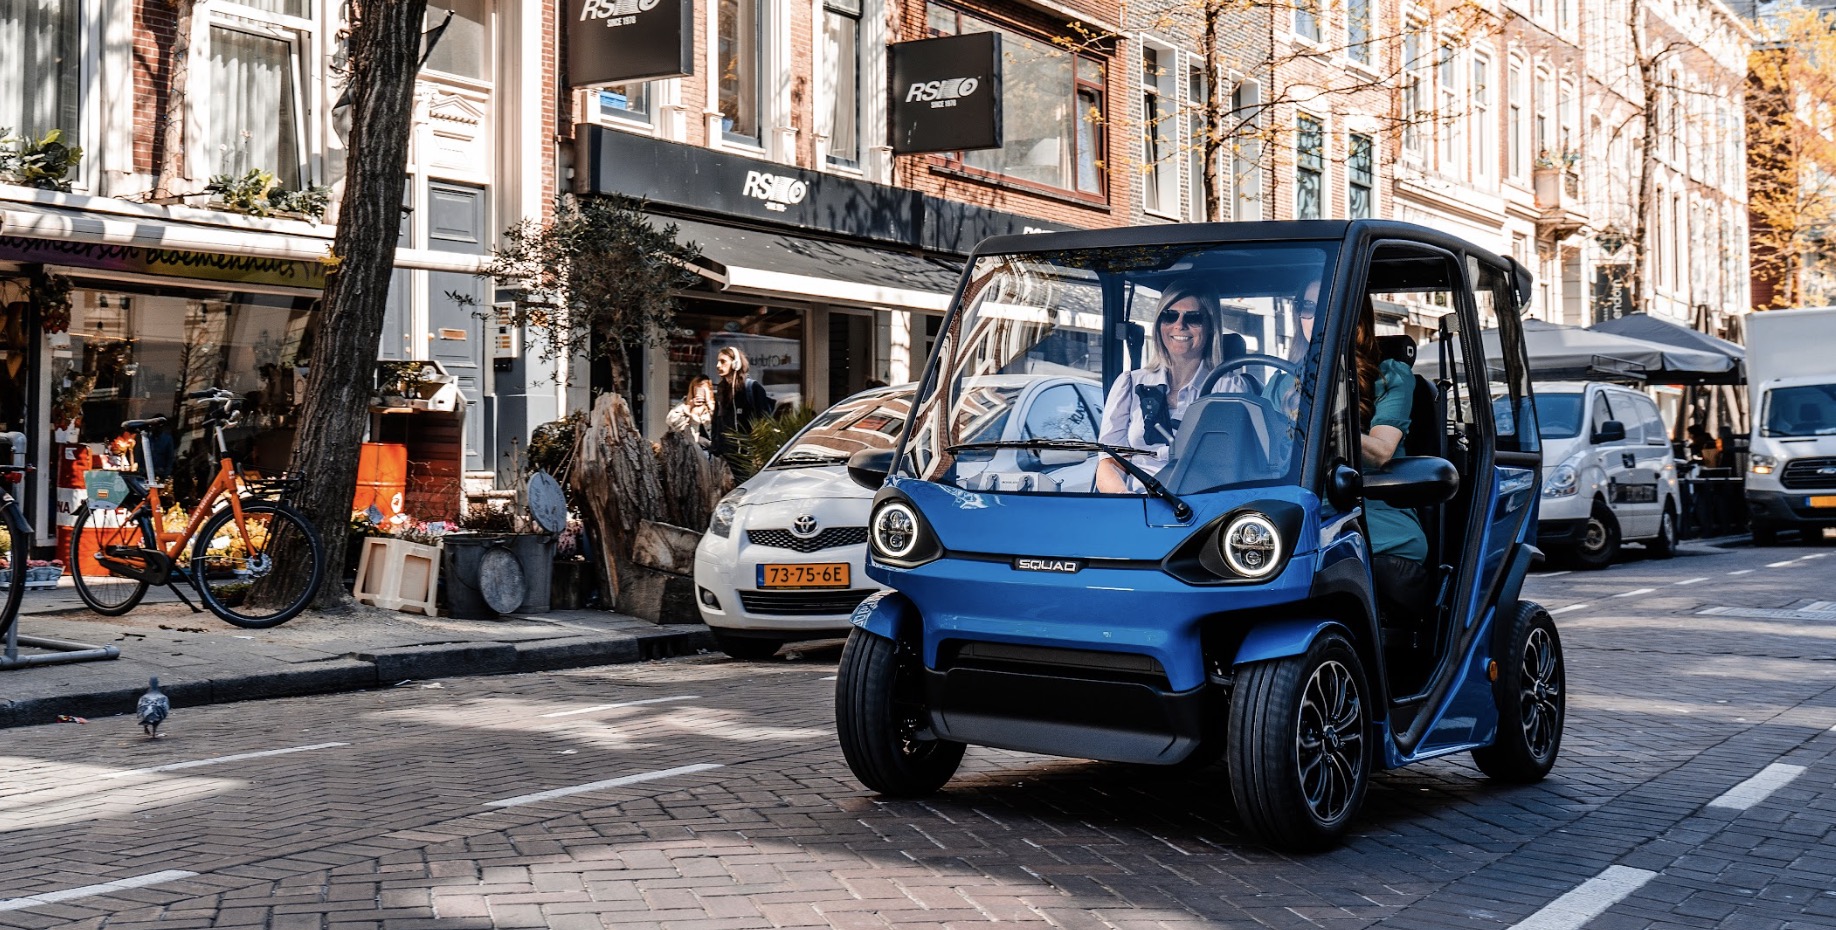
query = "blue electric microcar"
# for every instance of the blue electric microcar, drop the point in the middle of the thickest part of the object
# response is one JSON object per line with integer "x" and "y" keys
{"x": 1210, "y": 593}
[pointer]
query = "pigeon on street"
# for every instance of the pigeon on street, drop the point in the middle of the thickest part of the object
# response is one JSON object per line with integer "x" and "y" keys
{"x": 152, "y": 709}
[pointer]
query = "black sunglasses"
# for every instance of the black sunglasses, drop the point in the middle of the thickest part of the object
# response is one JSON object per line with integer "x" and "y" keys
{"x": 1192, "y": 317}
{"x": 1304, "y": 308}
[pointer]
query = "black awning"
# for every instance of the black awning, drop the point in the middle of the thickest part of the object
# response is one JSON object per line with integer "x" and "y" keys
{"x": 782, "y": 264}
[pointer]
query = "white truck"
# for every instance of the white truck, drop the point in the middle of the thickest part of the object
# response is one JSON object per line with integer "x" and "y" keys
{"x": 1791, "y": 389}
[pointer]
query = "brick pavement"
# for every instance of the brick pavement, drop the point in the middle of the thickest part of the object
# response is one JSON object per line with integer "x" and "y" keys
{"x": 1670, "y": 708}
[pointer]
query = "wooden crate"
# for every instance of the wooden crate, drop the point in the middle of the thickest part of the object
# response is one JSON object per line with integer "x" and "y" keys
{"x": 396, "y": 574}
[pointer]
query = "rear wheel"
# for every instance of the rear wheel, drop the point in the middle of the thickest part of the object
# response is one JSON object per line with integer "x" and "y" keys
{"x": 748, "y": 648}
{"x": 15, "y": 552}
{"x": 881, "y": 720}
{"x": 1665, "y": 545}
{"x": 262, "y": 577}
{"x": 96, "y": 531}
{"x": 1531, "y": 692}
{"x": 1300, "y": 745}
{"x": 1599, "y": 544}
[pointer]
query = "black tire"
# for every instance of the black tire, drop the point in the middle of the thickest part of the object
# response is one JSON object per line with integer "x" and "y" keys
{"x": 15, "y": 554}
{"x": 1532, "y": 697}
{"x": 1665, "y": 544}
{"x": 1301, "y": 745}
{"x": 106, "y": 594}
{"x": 879, "y": 709}
{"x": 269, "y": 583}
{"x": 1599, "y": 544}
{"x": 746, "y": 648}
{"x": 1764, "y": 534}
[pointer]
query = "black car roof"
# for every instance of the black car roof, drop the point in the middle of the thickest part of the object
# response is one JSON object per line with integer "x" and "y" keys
{"x": 1205, "y": 233}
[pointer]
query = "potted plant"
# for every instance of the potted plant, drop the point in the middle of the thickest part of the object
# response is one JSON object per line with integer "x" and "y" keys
{"x": 44, "y": 163}
{"x": 258, "y": 193}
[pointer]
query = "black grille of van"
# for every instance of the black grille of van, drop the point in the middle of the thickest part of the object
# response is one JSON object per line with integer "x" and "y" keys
{"x": 1809, "y": 474}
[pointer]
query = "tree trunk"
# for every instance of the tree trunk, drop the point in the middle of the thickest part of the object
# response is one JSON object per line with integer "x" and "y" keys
{"x": 615, "y": 478}
{"x": 1215, "y": 100}
{"x": 1647, "y": 155}
{"x": 693, "y": 482}
{"x": 178, "y": 80}
{"x": 385, "y": 45}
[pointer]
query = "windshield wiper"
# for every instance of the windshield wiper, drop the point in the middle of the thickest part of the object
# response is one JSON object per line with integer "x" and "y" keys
{"x": 1181, "y": 510}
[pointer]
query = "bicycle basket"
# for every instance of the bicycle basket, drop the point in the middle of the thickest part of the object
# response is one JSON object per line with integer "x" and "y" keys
{"x": 109, "y": 490}
{"x": 272, "y": 486}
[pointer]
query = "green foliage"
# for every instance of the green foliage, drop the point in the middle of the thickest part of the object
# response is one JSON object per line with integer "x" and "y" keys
{"x": 764, "y": 438}
{"x": 258, "y": 193}
{"x": 485, "y": 519}
{"x": 42, "y": 163}
{"x": 551, "y": 446}
{"x": 596, "y": 280}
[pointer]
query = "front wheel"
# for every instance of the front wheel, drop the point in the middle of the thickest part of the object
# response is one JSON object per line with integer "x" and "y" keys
{"x": 95, "y": 533}
{"x": 15, "y": 549}
{"x": 880, "y": 716}
{"x": 1532, "y": 696}
{"x": 1665, "y": 545}
{"x": 1301, "y": 745}
{"x": 262, "y": 572}
{"x": 1599, "y": 544}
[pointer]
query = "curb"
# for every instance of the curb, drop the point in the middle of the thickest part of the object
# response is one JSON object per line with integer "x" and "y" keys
{"x": 382, "y": 668}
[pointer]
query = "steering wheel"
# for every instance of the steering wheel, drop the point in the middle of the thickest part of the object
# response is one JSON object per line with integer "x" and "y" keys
{"x": 1244, "y": 361}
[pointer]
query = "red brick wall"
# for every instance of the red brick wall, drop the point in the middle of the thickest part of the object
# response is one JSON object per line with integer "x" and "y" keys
{"x": 154, "y": 31}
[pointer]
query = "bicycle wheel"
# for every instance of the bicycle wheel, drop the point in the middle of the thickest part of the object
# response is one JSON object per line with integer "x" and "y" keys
{"x": 264, "y": 579}
{"x": 95, "y": 531}
{"x": 15, "y": 549}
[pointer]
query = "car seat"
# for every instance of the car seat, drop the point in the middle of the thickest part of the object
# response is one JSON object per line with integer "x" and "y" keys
{"x": 1427, "y": 435}
{"x": 1232, "y": 347}
{"x": 1222, "y": 439}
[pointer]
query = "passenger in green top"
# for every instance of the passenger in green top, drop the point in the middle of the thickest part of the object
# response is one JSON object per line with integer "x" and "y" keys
{"x": 1386, "y": 389}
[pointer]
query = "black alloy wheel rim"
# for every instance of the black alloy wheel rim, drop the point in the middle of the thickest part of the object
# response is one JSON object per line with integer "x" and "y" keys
{"x": 1540, "y": 694}
{"x": 1330, "y": 747}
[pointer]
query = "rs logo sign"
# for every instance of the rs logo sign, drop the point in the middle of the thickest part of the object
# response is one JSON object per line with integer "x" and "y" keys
{"x": 942, "y": 93}
{"x": 615, "y": 12}
{"x": 778, "y": 191}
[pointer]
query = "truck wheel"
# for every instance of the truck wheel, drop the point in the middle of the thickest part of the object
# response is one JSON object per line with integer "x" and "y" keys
{"x": 1665, "y": 545}
{"x": 1300, "y": 745}
{"x": 879, "y": 716}
{"x": 1765, "y": 534}
{"x": 1531, "y": 693}
{"x": 1599, "y": 544}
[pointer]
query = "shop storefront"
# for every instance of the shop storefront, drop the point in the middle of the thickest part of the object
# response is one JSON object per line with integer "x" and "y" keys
{"x": 827, "y": 283}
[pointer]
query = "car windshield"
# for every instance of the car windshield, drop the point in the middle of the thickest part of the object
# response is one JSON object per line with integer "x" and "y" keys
{"x": 1558, "y": 416}
{"x": 870, "y": 420}
{"x": 1109, "y": 370}
{"x": 1806, "y": 410}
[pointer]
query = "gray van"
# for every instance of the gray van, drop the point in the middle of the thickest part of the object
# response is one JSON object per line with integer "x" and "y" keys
{"x": 1608, "y": 473}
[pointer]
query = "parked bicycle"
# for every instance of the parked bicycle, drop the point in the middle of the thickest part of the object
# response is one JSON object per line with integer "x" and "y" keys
{"x": 254, "y": 560}
{"x": 15, "y": 533}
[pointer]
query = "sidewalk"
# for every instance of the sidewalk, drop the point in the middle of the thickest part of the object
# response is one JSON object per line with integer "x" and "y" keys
{"x": 202, "y": 660}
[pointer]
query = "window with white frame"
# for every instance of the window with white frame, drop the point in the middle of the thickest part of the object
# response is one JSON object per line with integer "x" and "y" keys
{"x": 1198, "y": 96}
{"x": 739, "y": 35}
{"x": 1568, "y": 110}
{"x": 40, "y": 66}
{"x": 1361, "y": 178}
{"x": 1517, "y": 140}
{"x": 841, "y": 76}
{"x": 1448, "y": 115}
{"x": 629, "y": 101}
{"x": 1159, "y": 131}
{"x": 1485, "y": 122}
{"x": 257, "y": 80}
{"x": 1358, "y": 30}
{"x": 1414, "y": 91}
{"x": 1542, "y": 134}
{"x": 464, "y": 47}
{"x": 1246, "y": 150}
{"x": 1052, "y": 110}
{"x": 1307, "y": 19}
{"x": 1309, "y": 167}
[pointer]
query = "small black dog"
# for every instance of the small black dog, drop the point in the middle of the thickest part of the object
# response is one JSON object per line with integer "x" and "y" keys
{"x": 1157, "y": 423}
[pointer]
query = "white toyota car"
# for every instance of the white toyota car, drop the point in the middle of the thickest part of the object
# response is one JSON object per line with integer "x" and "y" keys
{"x": 783, "y": 559}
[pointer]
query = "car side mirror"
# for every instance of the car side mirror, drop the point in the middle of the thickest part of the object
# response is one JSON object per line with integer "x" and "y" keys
{"x": 868, "y": 467}
{"x": 1344, "y": 486}
{"x": 1412, "y": 481}
{"x": 1610, "y": 431}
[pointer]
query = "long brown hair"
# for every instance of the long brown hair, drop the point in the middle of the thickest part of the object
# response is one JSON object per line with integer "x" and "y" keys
{"x": 1369, "y": 355}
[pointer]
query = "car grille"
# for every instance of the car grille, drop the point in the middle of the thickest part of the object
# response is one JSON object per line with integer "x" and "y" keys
{"x": 1803, "y": 474}
{"x": 827, "y": 539}
{"x": 802, "y": 602}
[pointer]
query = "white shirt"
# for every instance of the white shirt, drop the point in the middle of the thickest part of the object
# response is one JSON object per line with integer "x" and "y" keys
{"x": 1122, "y": 420}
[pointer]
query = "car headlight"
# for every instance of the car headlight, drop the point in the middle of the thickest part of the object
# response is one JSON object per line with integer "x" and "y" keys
{"x": 724, "y": 512}
{"x": 1563, "y": 481}
{"x": 1763, "y": 464}
{"x": 895, "y": 530}
{"x": 1251, "y": 545}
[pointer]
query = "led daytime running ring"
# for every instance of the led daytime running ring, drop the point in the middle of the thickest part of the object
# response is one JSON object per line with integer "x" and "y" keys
{"x": 1251, "y": 545}
{"x": 891, "y": 523}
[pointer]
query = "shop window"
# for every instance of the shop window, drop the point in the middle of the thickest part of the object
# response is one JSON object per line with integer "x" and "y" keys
{"x": 841, "y": 34}
{"x": 464, "y": 48}
{"x": 40, "y": 67}
{"x": 255, "y": 88}
{"x": 771, "y": 337}
{"x": 739, "y": 68}
{"x": 626, "y": 101}
{"x": 1309, "y": 167}
{"x": 1360, "y": 179}
{"x": 1052, "y": 113}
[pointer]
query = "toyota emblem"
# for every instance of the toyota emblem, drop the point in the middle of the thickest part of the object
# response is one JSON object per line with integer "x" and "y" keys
{"x": 804, "y": 526}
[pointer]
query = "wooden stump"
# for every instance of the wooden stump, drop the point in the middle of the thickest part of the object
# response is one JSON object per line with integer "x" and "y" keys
{"x": 616, "y": 479}
{"x": 692, "y": 482}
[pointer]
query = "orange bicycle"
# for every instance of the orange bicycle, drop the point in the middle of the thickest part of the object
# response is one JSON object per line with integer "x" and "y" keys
{"x": 253, "y": 559}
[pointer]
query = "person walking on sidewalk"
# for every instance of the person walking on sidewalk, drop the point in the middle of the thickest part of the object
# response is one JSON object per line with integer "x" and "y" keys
{"x": 738, "y": 400}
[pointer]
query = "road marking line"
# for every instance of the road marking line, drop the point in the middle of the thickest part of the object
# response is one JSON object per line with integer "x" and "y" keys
{"x": 1768, "y": 613}
{"x": 1817, "y": 556}
{"x": 1588, "y": 900}
{"x": 1744, "y": 571}
{"x": 1554, "y": 574}
{"x": 1785, "y": 564}
{"x": 828, "y": 678}
{"x": 1563, "y": 610}
{"x": 1635, "y": 592}
{"x": 1759, "y": 787}
{"x": 599, "y": 707}
{"x": 222, "y": 759}
{"x": 1821, "y": 605}
{"x": 595, "y": 786}
{"x": 1692, "y": 581}
{"x": 90, "y": 891}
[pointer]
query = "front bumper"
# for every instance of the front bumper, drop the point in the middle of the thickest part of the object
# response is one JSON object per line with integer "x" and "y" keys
{"x": 1560, "y": 532}
{"x": 1791, "y": 508}
{"x": 739, "y": 604}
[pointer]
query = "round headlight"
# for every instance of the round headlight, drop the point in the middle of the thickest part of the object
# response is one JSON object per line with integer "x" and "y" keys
{"x": 895, "y": 530}
{"x": 1250, "y": 545}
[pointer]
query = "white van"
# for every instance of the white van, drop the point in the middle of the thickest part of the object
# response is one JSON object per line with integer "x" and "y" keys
{"x": 1608, "y": 473}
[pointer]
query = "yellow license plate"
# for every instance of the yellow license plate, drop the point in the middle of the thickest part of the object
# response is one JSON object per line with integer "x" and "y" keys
{"x": 1823, "y": 500}
{"x": 811, "y": 575}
